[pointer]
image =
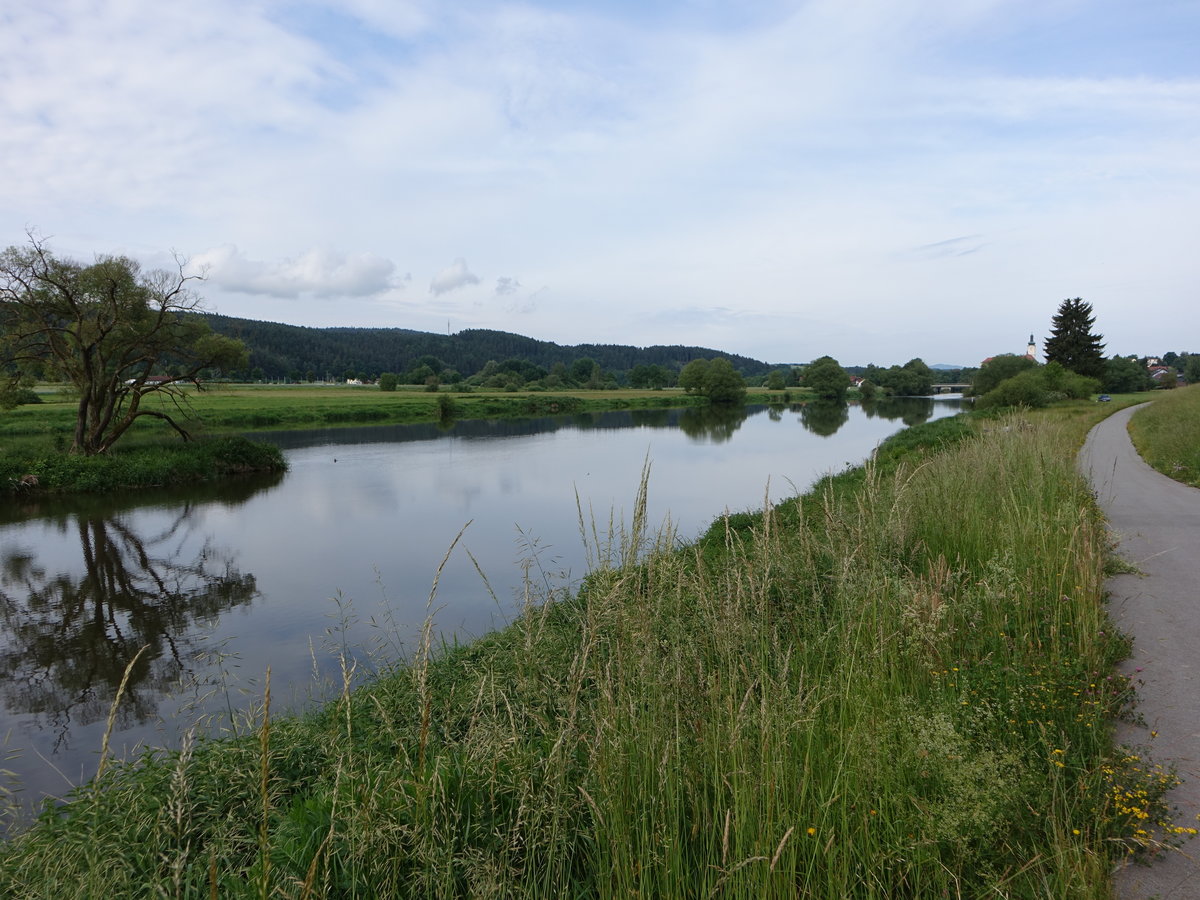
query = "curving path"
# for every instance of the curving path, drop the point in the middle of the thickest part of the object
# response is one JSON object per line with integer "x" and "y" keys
{"x": 1157, "y": 523}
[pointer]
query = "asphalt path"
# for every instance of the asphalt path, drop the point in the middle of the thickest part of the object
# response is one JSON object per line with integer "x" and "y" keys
{"x": 1157, "y": 523}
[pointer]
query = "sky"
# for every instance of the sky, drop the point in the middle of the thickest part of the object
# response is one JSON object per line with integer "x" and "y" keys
{"x": 876, "y": 180}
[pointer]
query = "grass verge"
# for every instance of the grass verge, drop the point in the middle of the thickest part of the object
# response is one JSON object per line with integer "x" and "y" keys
{"x": 896, "y": 686}
{"x": 1167, "y": 433}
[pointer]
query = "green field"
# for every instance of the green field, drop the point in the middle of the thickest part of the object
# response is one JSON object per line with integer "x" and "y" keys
{"x": 899, "y": 685}
{"x": 223, "y": 408}
{"x": 1167, "y": 433}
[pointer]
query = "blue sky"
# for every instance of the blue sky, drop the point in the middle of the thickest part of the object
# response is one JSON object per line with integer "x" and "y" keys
{"x": 874, "y": 180}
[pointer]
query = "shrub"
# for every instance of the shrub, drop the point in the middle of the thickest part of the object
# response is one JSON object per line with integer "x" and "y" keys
{"x": 1026, "y": 389}
{"x": 23, "y": 397}
{"x": 1039, "y": 386}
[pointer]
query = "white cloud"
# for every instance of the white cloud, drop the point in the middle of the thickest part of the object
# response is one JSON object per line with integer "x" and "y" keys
{"x": 318, "y": 273}
{"x": 398, "y": 18}
{"x": 506, "y": 286}
{"x": 454, "y": 276}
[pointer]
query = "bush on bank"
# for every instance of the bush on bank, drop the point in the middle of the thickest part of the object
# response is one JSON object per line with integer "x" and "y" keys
{"x": 137, "y": 466}
{"x": 897, "y": 686}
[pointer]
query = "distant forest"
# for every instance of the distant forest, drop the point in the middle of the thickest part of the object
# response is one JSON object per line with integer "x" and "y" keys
{"x": 300, "y": 353}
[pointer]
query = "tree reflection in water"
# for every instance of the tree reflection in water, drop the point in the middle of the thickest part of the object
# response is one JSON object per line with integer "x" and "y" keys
{"x": 824, "y": 417}
{"x": 910, "y": 410}
{"x": 68, "y": 636}
{"x": 715, "y": 424}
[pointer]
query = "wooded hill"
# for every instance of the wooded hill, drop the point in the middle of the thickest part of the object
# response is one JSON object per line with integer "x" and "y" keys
{"x": 298, "y": 352}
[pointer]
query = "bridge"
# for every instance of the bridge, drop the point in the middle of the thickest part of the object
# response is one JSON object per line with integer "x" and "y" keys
{"x": 950, "y": 388}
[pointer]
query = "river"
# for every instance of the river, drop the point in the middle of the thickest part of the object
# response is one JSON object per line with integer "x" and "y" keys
{"x": 337, "y": 559}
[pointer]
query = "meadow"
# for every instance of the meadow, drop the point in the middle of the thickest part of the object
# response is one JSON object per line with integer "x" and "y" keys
{"x": 1167, "y": 433}
{"x": 221, "y": 408}
{"x": 898, "y": 685}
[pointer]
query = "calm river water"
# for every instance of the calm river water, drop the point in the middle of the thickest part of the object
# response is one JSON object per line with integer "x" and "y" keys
{"x": 220, "y": 582}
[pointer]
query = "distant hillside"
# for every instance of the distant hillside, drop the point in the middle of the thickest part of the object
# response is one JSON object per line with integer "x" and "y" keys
{"x": 297, "y": 351}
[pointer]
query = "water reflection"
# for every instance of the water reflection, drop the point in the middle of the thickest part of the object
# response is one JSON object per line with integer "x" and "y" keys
{"x": 713, "y": 424}
{"x": 824, "y": 417}
{"x": 72, "y": 622}
{"x": 910, "y": 410}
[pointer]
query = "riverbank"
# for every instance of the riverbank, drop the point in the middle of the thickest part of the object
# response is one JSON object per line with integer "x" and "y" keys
{"x": 31, "y": 470}
{"x": 898, "y": 685}
{"x": 243, "y": 408}
{"x": 35, "y": 436}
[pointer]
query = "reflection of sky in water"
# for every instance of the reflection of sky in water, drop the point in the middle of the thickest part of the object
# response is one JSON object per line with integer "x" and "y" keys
{"x": 370, "y": 523}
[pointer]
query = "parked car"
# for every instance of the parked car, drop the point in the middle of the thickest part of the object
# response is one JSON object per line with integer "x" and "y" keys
{"x": 1103, "y": 398}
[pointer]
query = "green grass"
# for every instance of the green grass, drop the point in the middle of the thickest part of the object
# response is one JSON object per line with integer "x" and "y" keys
{"x": 899, "y": 685}
{"x": 1167, "y": 433}
{"x": 224, "y": 408}
{"x": 139, "y": 465}
{"x": 34, "y": 438}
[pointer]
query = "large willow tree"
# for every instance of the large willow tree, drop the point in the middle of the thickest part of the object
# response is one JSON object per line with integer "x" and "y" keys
{"x": 117, "y": 335}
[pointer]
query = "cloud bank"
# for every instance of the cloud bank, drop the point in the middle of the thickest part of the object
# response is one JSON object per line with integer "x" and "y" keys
{"x": 315, "y": 273}
{"x": 947, "y": 171}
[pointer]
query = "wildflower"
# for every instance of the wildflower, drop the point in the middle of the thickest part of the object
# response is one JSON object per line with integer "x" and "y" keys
{"x": 811, "y": 831}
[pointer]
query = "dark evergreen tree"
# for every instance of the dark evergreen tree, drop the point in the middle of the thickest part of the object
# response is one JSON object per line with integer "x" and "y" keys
{"x": 1072, "y": 343}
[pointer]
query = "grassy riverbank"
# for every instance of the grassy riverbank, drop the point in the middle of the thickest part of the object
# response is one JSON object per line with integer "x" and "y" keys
{"x": 33, "y": 438}
{"x": 225, "y": 408}
{"x": 896, "y": 686}
{"x": 1167, "y": 433}
{"x": 137, "y": 466}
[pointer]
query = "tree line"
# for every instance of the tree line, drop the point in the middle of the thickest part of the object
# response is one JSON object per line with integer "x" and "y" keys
{"x": 119, "y": 335}
{"x": 299, "y": 353}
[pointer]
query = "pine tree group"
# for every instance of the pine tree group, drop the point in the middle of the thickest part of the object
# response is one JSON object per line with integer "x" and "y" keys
{"x": 1072, "y": 343}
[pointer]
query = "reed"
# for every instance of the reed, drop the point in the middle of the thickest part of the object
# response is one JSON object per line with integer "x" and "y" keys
{"x": 898, "y": 685}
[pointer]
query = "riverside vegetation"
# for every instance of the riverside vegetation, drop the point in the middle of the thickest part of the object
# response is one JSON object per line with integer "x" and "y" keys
{"x": 139, "y": 465}
{"x": 898, "y": 685}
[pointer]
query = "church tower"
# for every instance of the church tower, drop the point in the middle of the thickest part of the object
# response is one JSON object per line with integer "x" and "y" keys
{"x": 1031, "y": 350}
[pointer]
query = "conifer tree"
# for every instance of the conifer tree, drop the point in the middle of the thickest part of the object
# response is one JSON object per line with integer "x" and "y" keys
{"x": 1072, "y": 343}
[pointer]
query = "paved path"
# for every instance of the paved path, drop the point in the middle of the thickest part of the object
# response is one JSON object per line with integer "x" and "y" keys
{"x": 1157, "y": 522}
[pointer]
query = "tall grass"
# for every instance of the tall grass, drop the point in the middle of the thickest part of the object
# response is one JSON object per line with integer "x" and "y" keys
{"x": 896, "y": 686}
{"x": 1167, "y": 433}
